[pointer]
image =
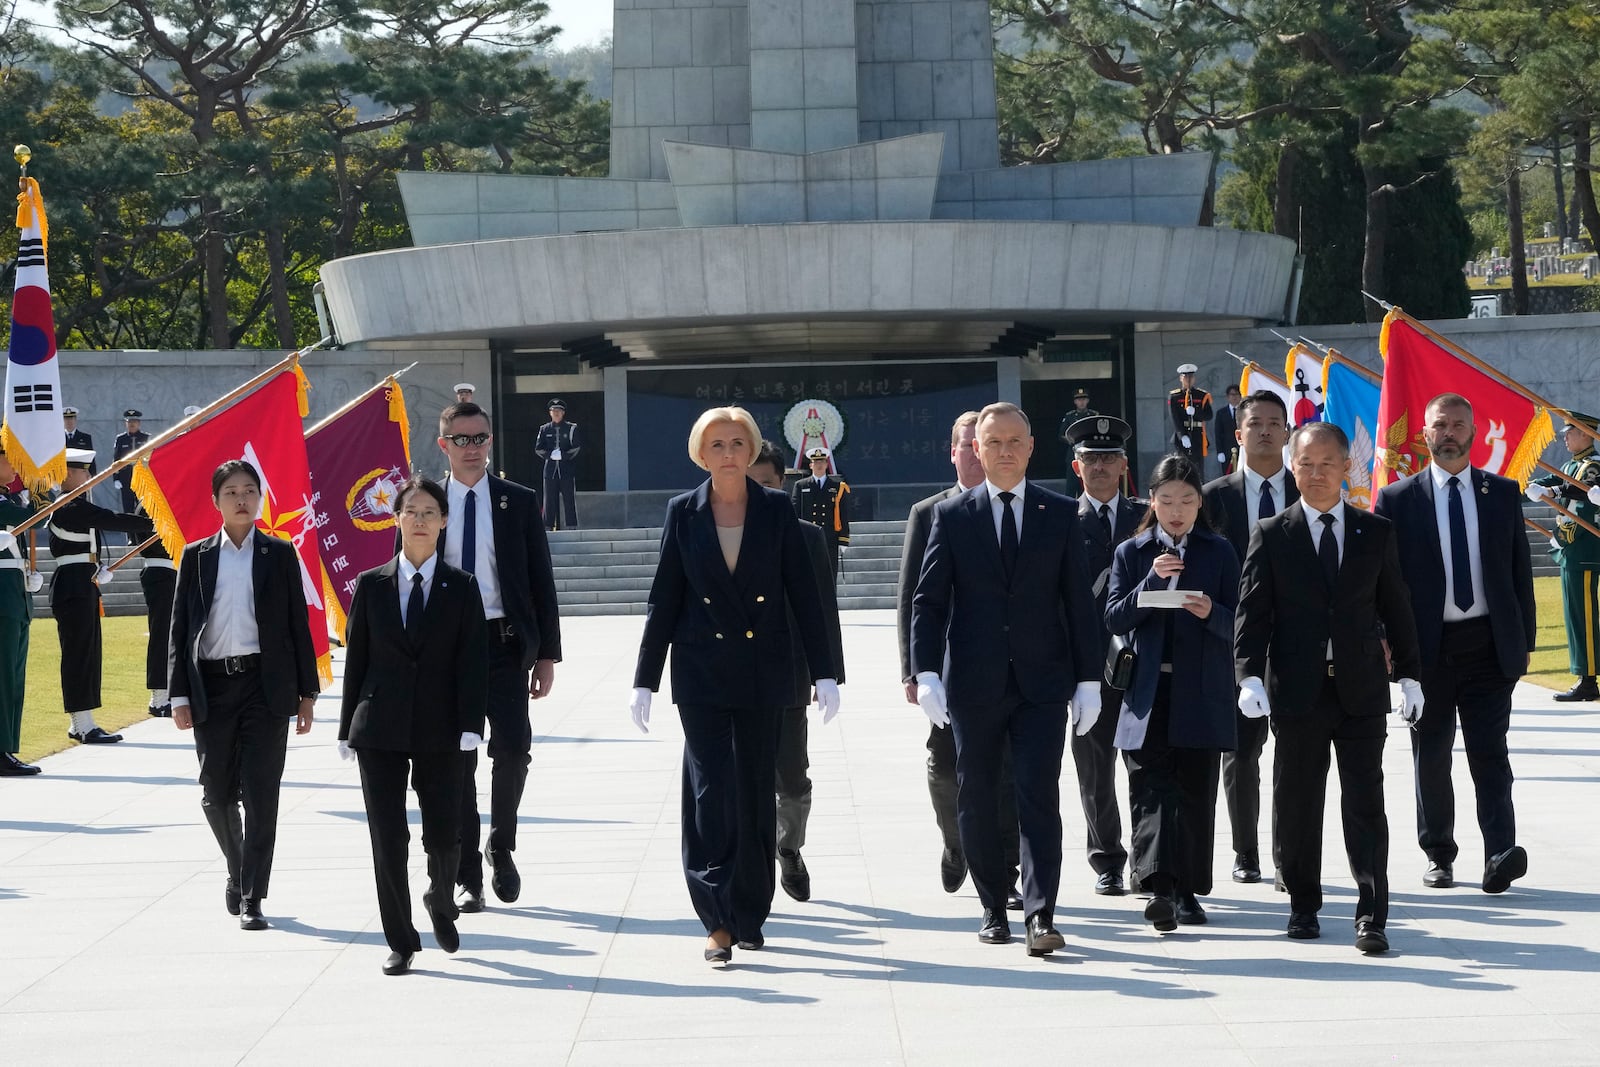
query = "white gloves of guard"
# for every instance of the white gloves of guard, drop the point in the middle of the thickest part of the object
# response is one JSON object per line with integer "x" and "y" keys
{"x": 470, "y": 741}
{"x": 35, "y": 581}
{"x": 639, "y": 708}
{"x": 103, "y": 576}
{"x": 1410, "y": 708}
{"x": 1594, "y": 495}
{"x": 1539, "y": 493}
{"x": 1083, "y": 710}
{"x": 930, "y": 698}
{"x": 827, "y": 699}
{"x": 1253, "y": 699}
{"x": 555, "y": 454}
{"x": 8, "y": 540}
{"x": 346, "y": 753}
{"x": 1185, "y": 440}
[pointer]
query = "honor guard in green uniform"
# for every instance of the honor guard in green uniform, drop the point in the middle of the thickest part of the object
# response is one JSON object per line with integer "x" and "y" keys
{"x": 1190, "y": 409}
{"x": 1080, "y": 410}
{"x": 15, "y": 611}
{"x": 824, "y": 500}
{"x": 1578, "y": 552}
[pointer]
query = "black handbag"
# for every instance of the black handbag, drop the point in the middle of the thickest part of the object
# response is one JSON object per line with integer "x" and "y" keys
{"x": 1120, "y": 660}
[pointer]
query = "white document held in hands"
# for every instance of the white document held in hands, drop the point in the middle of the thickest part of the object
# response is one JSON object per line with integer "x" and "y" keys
{"x": 1164, "y": 598}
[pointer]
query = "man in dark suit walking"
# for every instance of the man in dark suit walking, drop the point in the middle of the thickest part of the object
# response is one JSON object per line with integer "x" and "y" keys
{"x": 1223, "y": 429}
{"x": 1475, "y": 632}
{"x": 1106, "y": 518}
{"x": 240, "y": 667}
{"x": 497, "y": 534}
{"x": 1003, "y": 608}
{"x": 1321, "y": 586}
{"x": 1259, "y": 489}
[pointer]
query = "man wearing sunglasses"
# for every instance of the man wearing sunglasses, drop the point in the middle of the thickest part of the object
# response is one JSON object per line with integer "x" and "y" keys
{"x": 497, "y": 534}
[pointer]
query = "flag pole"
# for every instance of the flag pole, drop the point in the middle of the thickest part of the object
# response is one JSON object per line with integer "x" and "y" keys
{"x": 1535, "y": 526}
{"x": 1573, "y": 517}
{"x": 152, "y": 539}
{"x": 345, "y": 408}
{"x": 1343, "y": 360}
{"x": 178, "y": 429}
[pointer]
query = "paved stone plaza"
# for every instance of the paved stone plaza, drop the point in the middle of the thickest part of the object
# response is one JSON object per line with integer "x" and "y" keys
{"x": 114, "y": 946}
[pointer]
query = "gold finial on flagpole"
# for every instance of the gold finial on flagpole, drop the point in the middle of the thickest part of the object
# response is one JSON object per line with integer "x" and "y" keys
{"x": 22, "y": 153}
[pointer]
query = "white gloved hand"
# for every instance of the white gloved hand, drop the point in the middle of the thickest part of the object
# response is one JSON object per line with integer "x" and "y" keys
{"x": 470, "y": 741}
{"x": 35, "y": 581}
{"x": 8, "y": 540}
{"x": 1555, "y": 546}
{"x": 1539, "y": 493}
{"x": 1253, "y": 699}
{"x": 1084, "y": 707}
{"x": 930, "y": 698}
{"x": 1594, "y": 495}
{"x": 841, "y": 550}
{"x": 639, "y": 708}
{"x": 1410, "y": 708}
{"x": 1185, "y": 440}
{"x": 827, "y": 699}
{"x": 103, "y": 576}
{"x": 346, "y": 753}
{"x": 555, "y": 454}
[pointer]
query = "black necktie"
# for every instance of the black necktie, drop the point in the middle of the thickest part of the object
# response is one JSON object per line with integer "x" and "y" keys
{"x": 1008, "y": 535}
{"x": 1460, "y": 561}
{"x": 1105, "y": 520}
{"x": 1328, "y": 552}
{"x": 469, "y": 534}
{"x": 414, "y": 611}
{"x": 1267, "y": 507}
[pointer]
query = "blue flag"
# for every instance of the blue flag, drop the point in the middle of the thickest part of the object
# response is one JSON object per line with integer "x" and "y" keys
{"x": 1350, "y": 402}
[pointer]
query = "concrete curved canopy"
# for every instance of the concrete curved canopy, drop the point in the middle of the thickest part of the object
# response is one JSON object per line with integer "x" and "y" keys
{"x": 544, "y": 289}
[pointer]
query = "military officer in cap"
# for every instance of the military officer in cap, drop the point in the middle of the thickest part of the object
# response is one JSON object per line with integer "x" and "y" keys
{"x": 464, "y": 392}
{"x": 1190, "y": 409}
{"x": 75, "y": 531}
{"x": 1080, "y": 410}
{"x": 76, "y": 438}
{"x": 15, "y": 612}
{"x": 824, "y": 500}
{"x": 1578, "y": 552}
{"x": 1106, "y": 518}
{"x": 131, "y": 440}
{"x": 558, "y": 444}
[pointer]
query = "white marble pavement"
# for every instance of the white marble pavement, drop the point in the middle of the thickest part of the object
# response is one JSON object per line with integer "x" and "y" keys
{"x": 115, "y": 948}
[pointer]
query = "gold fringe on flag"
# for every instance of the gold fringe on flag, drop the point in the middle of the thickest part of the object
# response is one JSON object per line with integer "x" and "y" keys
{"x": 336, "y": 616}
{"x": 397, "y": 413}
{"x": 148, "y": 490}
{"x": 302, "y": 390}
{"x": 1540, "y": 432}
{"x": 37, "y": 478}
{"x": 29, "y": 203}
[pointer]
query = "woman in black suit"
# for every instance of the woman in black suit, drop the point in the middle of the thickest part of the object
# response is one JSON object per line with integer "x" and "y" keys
{"x": 415, "y": 696}
{"x": 1177, "y": 715}
{"x": 733, "y": 563}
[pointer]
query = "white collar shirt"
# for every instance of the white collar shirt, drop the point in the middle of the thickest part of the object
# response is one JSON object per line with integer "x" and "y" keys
{"x": 230, "y": 627}
{"x": 1314, "y": 517}
{"x": 485, "y": 566}
{"x": 407, "y": 572}
{"x": 995, "y": 504}
{"x": 1252, "y": 494}
{"x": 1441, "y": 513}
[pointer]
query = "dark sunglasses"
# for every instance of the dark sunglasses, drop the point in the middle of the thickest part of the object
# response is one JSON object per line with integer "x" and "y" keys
{"x": 463, "y": 440}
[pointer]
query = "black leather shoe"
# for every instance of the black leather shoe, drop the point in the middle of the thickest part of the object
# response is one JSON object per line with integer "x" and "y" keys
{"x": 1438, "y": 875}
{"x": 444, "y": 923}
{"x": 1013, "y": 899}
{"x": 1109, "y": 884}
{"x": 716, "y": 952}
{"x": 1246, "y": 869}
{"x": 1042, "y": 936}
{"x": 397, "y": 963}
{"x": 1502, "y": 870}
{"x": 160, "y": 711}
{"x": 506, "y": 881}
{"x": 96, "y": 736}
{"x": 752, "y": 944}
{"x": 793, "y": 876}
{"x": 1160, "y": 914}
{"x": 952, "y": 869}
{"x": 250, "y": 917}
{"x": 1586, "y": 689}
{"x": 1370, "y": 938}
{"x": 231, "y": 897}
{"x": 12, "y": 767}
{"x": 995, "y": 930}
{"x": 1190, "y": 913}
{"x": 1303, "y": 926}
{"x": 469, "y": 901}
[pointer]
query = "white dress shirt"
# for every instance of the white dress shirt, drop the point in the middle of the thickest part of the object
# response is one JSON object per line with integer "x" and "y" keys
{"x": 407, "y": 571}
{"x": 1315, "y": 518}
{"x": 230, "y": 627}
{"x": 995, "y": 504}
{"x": 1441, "y": 514}
{"x": 486, "y": 567}
{"x": 1252, "y": 494}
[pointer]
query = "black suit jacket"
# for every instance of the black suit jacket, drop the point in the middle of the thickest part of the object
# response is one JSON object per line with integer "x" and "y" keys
{"x": 729, "y": 633}
{"x": 1098, "y": 551}
{"x": 1287, "y": 615}
{"x": 1043, "y": 621}
{"x": 1502, "y": 547}
{"x": 401, "y": 697}
{"x": 288, "y": 664}
{"x": 918, "y": 525}
{"x": 1227, "y": 506}
{"x": 522, "y": 554}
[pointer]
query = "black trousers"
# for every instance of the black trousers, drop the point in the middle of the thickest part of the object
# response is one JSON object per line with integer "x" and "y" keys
{"x": 1466, "y": 683}
{"x": 1299, "y": 788}
{"x": 1036, "y": 736}
{"x": 241, "y": 747}
{"x": 1241, "y": 783}
{"x": 436, "y": 776}
{"x": 510, "y": 751}
{"x": 159, "y": 584}
{"x": 78, "y": 633}
{"x": 794, "y": 784}
{"x": 1095, "y": 757}
{"x": 730, "y": 838}
{"x": 942, "y": 791}
{"x": 1172, "y": 795}
{"x": 560, "y": 492}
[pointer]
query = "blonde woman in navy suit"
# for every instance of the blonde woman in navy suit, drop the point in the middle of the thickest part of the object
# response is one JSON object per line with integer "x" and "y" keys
{"x": 733, "y": 563}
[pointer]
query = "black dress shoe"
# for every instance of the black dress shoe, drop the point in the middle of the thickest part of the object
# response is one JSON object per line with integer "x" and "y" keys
{"x": 444, "y": 923}
{"x": 1190, "y": 913}
{"x": 719, "y": 953}
{"x": 1303, "y": 926}
{"x": 506, "y": 881}
{"x": 231, "y": 897}
{"x": 1109, "y": 884}
{"x": 96, "y": 736}
{"x": 793, "y": 876}
{"x": 995, "y": 929}
{"x": 160, "y": 711}
{"x": 1246, "y": 869}
{"x": 469, "y": 901}
{"x": 1586, "y": 689}
{"x": 1439, "y": 875}
{"x": 752, "y": 944}
{"x": 12, "y": 767}
{"x": 398, "y": 963}
{"x": 1161, "y": 914}
{"x": 1502, "y": 870}
{"x": 1013, "y": 899}
{"x": 1043, "y": 938}
{"x": 1370, "y": 937}
{"x": 250, "y": 917}
{"x": 952, "y": 869}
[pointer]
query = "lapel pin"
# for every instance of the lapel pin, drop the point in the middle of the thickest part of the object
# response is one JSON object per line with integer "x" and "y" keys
{"x": 502, "y": 503}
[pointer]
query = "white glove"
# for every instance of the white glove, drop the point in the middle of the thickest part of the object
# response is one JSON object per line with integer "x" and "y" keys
{"x": 1539, "y": 493}
{"x": 841, "y": 550}
{"x": 639, "y": 708}
{"x": 1555, "y": 546}
{"x": 1084, "y": 707}
{"x": 346, "y": 753}
{"x": 103, "y": 576}
{"x": 35, "y": 581}
{"x": 470, "y": 741}
{"x": 827, "y": 699}
{"x": 1594, "y": 495}
{"x": 8, "y": 540}
{"x": 1253, "y": 699}
{"x": 1185, "y": 440}
{"x": 117, "y": 482}
{"x": 1410, "y": 708}
{"x": 930, "y": 698}
{"x": 555, "y": 454}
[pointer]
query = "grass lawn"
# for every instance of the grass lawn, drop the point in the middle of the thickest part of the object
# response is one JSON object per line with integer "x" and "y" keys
{"x": 44, "y": 724}
{"x": 1550, "y": 661}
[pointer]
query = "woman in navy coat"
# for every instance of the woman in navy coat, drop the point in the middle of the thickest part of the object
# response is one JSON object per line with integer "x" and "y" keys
{"x": 733, "y": 562}
{"x": 1177, "y": 716}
